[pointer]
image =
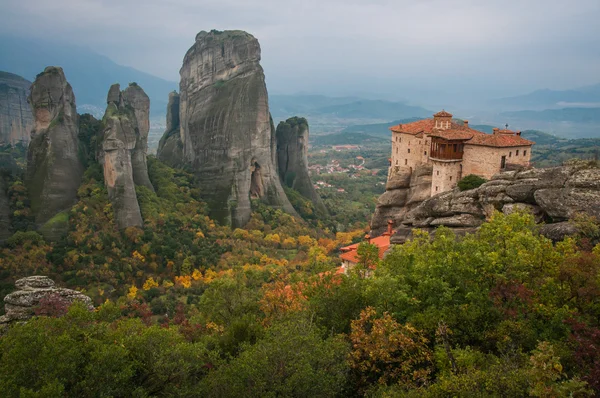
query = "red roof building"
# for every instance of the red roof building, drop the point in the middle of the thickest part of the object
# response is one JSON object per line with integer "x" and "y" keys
{"x": 455, "y": 150}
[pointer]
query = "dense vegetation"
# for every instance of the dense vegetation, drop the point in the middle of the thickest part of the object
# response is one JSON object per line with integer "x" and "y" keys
{"x": 503, "y": 312}
{"x": 186, "y": 307}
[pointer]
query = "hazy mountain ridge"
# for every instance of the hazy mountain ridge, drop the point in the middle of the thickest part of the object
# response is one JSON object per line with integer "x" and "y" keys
{"x": 342, "y": 107}
{"x": 547, "y": 98}
{"x": 88, "y": 72}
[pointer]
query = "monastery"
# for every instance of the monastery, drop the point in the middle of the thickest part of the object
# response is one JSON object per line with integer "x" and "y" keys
{"x": 456, "y": 150}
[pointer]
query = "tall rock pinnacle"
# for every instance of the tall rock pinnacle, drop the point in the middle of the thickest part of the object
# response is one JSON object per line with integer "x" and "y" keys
{"x": 54, "y": 169}
{"x": 122, "y": 151}
{"x": 16, "y": 120}
{"x": 292, "y": 159}
{"x": 226, "y": 134}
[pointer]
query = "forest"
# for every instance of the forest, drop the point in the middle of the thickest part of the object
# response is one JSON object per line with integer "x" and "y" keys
{"x": 186, "y": 307}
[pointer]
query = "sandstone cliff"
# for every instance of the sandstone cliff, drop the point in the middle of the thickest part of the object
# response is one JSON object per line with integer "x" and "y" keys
{"x": 292, "y": 159}
{"x": 54, "y": 169}
{"x": 122, "y": 151}
{"x": 170, "y": 147}
{"x": 226, "y": 134}
{"x": 20, "y": 305}
{"x": 405, "y": 189}
{"x": 16, "y": 119}
{"x": 135, "y": 97}
{"x": 553, "y": 195}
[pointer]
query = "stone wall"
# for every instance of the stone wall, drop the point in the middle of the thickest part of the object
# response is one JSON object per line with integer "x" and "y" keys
{"x": 419, "y": 149}
{"x": 446, "y": 174}
{"x": 485, "y": 161}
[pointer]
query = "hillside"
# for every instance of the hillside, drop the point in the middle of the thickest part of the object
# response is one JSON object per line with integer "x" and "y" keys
{"x": 546, "y": 98}
{"x": 573, "y": 115}
{"x": 88, "y": 72}
{"x": 283, "y": 106}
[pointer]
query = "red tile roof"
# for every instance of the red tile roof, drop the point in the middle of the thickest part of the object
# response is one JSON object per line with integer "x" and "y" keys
{"x": 499, "y": 140}
{"x": 456, "y": 133}
{"x": 350, "y": 252}
{"x": 425, "y": 125}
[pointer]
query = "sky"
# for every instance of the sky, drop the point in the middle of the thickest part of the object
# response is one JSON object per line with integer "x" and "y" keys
{"x": 389, "y": 49}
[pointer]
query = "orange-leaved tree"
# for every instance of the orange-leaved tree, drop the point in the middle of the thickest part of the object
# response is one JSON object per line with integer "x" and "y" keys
{"x": 386, "y": 352}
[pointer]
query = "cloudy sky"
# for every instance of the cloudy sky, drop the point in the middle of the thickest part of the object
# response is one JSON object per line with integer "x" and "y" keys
{"x": 399, "y": 49}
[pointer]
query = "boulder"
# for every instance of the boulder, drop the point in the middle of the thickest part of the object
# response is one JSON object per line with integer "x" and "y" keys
{"x": 16, "y": 118}
{"x": 20, "y": 305}
{"x": 399, "y": 178}
{"x": 558, "y": 231}
{"x": 555, "y": 194}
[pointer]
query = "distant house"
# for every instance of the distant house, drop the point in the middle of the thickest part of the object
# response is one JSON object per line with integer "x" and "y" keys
{"x": 350, "y": 256}
{"x": 456, "y": 150}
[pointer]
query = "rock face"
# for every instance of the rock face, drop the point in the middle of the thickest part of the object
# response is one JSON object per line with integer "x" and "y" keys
{"x": 405, "y": 189}
{"x": 20, "y": 305}
{"x": 170, "y": 147}
{"x": 552, "y": 195}
{"x": 122, "y": 151}
{"x": 16, "y": 119}
{"x": 292, "y": 159}
{"x": 54, "y": 169}
{"x": 5, "y": 231}
{"x": 135, "y": 97}
{"x": 226, "y": 133}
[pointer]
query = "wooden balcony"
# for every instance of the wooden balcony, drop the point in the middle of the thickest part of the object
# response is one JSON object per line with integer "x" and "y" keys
{"x": 446, "y": 150}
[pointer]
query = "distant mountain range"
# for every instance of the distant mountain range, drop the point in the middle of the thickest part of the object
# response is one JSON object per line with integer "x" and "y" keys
{"x": 573, "y": 115}
{"x": 583, "y": 97}
{"x": 89, "y": 73}
{"x": 283, "y": 106}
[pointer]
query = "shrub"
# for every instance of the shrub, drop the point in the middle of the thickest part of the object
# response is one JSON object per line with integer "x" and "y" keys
{"x": 471, "y": 181}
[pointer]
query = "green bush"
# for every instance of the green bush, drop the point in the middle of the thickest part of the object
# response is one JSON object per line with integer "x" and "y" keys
{"x": 471, "y": 181}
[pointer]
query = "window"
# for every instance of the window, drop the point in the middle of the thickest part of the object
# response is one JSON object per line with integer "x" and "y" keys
{"x": 436, "y": 189}
{"x": 408, "y": 150}
{"x": 510, "y": 154}
{"x": 438, "y": 173}
{"x": 525, "y": 153}
{"x": 400, "y": 139}
{"x": 405, "y": 162}
{"x": 455, "y": 147}
{"x": 396, "y": 150}
{"x": 450, "y": 178}
{"x": 517, "y": 152}
{"x": 425, "y": 153}
{"x": 396, "y": 162}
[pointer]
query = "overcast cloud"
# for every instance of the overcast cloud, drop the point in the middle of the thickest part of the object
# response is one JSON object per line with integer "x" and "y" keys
{"x": 390, "y": 48}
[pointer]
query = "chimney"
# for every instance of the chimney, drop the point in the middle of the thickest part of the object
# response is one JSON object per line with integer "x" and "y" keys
{"x": 368, "y": 238}
{"x": 495, "y": 130}
{"x": 390, "y": 225}
{"x": 466, "y": 123}
{"x": 518, "y": 133}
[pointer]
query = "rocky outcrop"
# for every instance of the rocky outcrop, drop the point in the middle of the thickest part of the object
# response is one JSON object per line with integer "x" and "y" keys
{"x": 552, "y": 195}
{"x": 135, "y": 97}
{"x": 16, "y": 119}
{"x": 54, "y": 169}
{"x": 170, "y": 147}
{"x": 122, "y": 151}
{"x": 226, "y": 132}
{"x": 405, "y": 189}
{"x": 292, "y": 159}
{"x": 21, "y": 304}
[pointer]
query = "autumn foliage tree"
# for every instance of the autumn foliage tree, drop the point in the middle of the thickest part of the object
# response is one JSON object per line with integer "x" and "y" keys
{"x": 385, "y": 352}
